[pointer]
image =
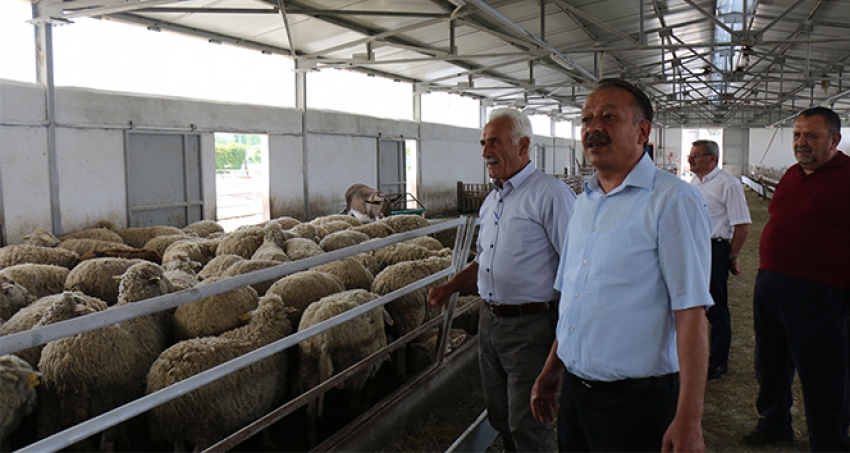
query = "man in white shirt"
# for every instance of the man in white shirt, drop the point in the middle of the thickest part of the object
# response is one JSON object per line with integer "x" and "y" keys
{"x": 730, "y": 221}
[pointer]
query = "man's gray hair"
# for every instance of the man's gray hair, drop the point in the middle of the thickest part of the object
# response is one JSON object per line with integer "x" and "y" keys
{"x": 709, "y": 146}
{"x": 521, "y": 124}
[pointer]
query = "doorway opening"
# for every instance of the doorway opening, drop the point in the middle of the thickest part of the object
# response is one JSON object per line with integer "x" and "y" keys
{"x": 241, "y": 179}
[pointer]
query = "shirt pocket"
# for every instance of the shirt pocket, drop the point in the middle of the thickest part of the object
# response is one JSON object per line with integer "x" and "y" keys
{"x": 521, "y": 235}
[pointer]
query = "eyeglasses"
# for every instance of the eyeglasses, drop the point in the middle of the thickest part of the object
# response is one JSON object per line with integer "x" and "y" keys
{"x": 694, "y": 156}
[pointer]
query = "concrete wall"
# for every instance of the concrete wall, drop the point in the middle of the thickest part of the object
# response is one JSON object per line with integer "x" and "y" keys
{"x": 305, "y": 173}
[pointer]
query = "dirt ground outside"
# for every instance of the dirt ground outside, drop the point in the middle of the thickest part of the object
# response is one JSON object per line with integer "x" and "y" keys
{"x": 729, "y": 401}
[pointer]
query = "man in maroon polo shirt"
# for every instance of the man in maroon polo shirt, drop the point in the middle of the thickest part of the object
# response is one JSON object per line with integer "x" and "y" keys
{"x": 802, "y": 293}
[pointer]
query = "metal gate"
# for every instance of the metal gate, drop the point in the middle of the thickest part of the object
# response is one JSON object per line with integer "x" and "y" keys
{"x": 391, "y": 166}
{"x": 164, "y": 182}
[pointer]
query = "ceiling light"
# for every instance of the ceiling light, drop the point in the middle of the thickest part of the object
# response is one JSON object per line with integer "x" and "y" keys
{"x": 563, "y": 61}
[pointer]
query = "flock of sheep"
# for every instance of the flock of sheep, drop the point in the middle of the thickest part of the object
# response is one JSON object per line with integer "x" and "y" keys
{"x": 47, "y": 279}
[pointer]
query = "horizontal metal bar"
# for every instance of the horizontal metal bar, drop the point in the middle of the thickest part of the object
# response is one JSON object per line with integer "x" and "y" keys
{"x": 177, "y": 204}
{"x": 41, "y": 335}
{"x": 291, "y": 10}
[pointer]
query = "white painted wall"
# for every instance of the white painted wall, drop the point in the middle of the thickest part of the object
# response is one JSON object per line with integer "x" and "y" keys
{"x": 447, "y": 155}
{"x": 774, "y": 148}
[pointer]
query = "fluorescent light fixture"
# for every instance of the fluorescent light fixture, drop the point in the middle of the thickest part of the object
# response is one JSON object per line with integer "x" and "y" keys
{"x": 563, "y": 61}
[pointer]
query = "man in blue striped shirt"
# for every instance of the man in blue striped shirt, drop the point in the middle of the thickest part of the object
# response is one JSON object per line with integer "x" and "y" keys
{"x": 523, "y": 221}
{"x": 633, "y": 277}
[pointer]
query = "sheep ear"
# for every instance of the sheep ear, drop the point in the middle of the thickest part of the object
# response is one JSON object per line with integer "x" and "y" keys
{"x": 155, "y": 279}
{"x": 32, "y": 380}
{"x": 117, "y": 278}
{"x": 245, "y": 317}
{"x": 387, "y": 318}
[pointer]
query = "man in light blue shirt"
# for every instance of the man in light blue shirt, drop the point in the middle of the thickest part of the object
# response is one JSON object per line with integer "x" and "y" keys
{"x": 523, "y": 225}
{"x": 633, "y": 278}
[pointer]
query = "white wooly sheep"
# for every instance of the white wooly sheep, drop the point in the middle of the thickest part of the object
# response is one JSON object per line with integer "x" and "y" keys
{"x": 424, "y": 348}
{"x": 203, "y": 228}
{"x": 408, "y": 311}
{"x": 286, "y": 222}
{"x": 218, "y": 265}
{"x": 335, "y": 225}
{"x": 369, "y": 262}
{"x": 299, "y": 248}
{"x": 17, "y": 393}
{"x": 246, "y": 266}
{"x": 195, "y": 249}
{"x": 342, "y": 239}
{"x": 405, "y": 222}
{"x": 82, "y": 245}
{"x": 13, "y": 297}
{"x": 340, "y": 347}
{"x": 351, "y": 220}
{"x": 182, "y": 273}
{"x": 308, "y": 231}
{"x": 39, "y": 279}
{"x": 350, "y": 272}
{"x": 137, "y": 237}
{"x": 274, "y": 239}
{"x": 215, "y": 314}
{"x": 22, "y": 253}
{"x": 97, "y": 277}
{"x": 41, "y": 237}
{"x": 243, "y": 242}
{"x": 27, "y": 317}
{"x": 210, "y": 413}
{"x": 301, "y": 289}
{"x": 160, "y": 243}
{"x": 101, "y": 234}
{"x": 93, "y": 372}
{"x": 405, "y": 251}
{"x": 375, "y": 230}
{"x": 428, "y": 242}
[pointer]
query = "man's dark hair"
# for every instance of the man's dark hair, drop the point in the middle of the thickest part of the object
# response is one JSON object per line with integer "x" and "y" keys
{"x": 644, "y": 106}
{"x": 833, "y": 121}
{"x": 709, "y": 146}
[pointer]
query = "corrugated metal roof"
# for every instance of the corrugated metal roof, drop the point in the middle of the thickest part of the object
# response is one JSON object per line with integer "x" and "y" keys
{"x": 791, "y": 54}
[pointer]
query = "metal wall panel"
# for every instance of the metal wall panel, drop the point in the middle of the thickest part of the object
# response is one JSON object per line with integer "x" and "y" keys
{"x": 391, "y": 166}
{"x": 164, "y": 182}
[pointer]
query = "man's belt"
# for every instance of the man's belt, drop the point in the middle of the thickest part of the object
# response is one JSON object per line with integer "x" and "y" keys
{"x": 532, "y": 308}
{"x": 630, "y": 385}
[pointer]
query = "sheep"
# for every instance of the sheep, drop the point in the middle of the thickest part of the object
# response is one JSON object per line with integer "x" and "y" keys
{"x": 306, "y": 231}
{"x": 405, "y": 222}
{"x": 427, "y": 242}
{"x": 101, "y": 234}
{"x": 203, "y": 228}
{"x": 81, "y": 246}
{"x": 182, "y": 273}
{"x": 41, "y": 237}
{"x": 349, "y": 271}
{"x": 273, "y": 242}
{"x": 39, "y": 279}
{"x": 300, "y": 248}
{"x": 96, "y": 277}
{"x": 128, "y": 253}
{"x": 340, "y": 347}
{"x": 301, "y": 289}
{"x": 136, "y": 237}
{"x": 408, "y": 311}
{"x": 375, "y": 230}
{"x": 215, "y": 314}
{"x": 342, "y": 239}
{"x": 244, "y": 267}
{"x": 404, "y": 251}
{"x": 353, "y": 221}
{"x": 186, "y": 250}
{"x": 287, "y": 222}
{"x": 17, "y": 393}
{"x": 218, "y": 265}
{"x": 335, "y": 225}
{"x": 467, "y": 321}
{"x": 242, "y": 242}
{"x": 22, "y": 253}
{"x": 161, "y": 243}
{"x": 30, "y": 315}
{"x": 213, "y": 411}
{"x": 369, "y": 262}
{"x": 13, "y": 297}
{"x": 93, "y": 372}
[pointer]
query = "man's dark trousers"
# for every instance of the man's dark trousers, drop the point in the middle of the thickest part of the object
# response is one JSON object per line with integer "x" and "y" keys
{"x": 718, "y": 314}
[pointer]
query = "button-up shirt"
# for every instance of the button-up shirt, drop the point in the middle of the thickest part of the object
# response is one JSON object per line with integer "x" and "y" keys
{"x": 631, "y": 258}
{"x": 727, "y": 205}
{"x": 520, "y": 237}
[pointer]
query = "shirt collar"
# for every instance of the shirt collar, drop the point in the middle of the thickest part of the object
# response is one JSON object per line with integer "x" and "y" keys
{"x": 516, "y": 180}
{"x": 710, "y": 174}
{"x": 838, "y": 160}
{"x": 641, "y": 175}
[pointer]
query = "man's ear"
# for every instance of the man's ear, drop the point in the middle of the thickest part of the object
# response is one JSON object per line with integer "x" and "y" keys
{"x": 524, "y": 144}
{"x": 644, "y": 128}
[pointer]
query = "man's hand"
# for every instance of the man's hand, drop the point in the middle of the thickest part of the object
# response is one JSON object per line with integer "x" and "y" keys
{"x": 544, "y": 394}
{"x": 735, "y": 266}
{"x": 439, "y": 296}
{"x": 682, "y": 436}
